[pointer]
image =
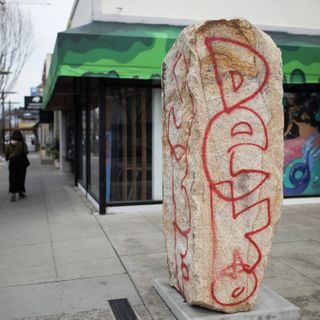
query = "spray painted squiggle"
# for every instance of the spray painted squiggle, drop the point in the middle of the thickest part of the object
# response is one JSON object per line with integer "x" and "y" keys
{"x": 238, "y": 278}
{"x": 179, "y": 148}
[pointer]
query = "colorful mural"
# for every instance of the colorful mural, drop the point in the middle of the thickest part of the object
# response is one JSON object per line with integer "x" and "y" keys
{"x": 302, "y": 144}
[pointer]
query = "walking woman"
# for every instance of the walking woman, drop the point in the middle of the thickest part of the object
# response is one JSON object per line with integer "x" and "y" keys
{"x": 16, "y": 154}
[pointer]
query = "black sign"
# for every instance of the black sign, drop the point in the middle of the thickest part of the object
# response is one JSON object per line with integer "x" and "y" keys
{"x": 46, "y": 116}
{"x": 31, "y": 102}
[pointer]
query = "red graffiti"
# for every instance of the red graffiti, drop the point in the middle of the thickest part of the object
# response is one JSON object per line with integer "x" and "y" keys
{"x": 241, "y": 128}
{"x": 237, "y": 80}
{"x": 239, "y": 185}
{"x": 179, "y": 121}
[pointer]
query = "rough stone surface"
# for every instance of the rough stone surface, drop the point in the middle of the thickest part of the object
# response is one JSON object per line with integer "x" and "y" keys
{"x": 222, "y": 158}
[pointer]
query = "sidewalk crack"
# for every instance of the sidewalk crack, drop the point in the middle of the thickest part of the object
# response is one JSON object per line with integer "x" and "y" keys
{"x": 48, "y": 223}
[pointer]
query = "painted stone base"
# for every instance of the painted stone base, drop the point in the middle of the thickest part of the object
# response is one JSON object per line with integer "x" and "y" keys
{"x": 269, "y": 305}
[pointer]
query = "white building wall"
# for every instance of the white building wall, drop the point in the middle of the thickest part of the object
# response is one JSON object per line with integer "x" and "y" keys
{"x": 270, "y": 15}
{"x": 156, "y": 145}
{"x": 81, "y": 14}
{"x": 294, "y": 16}
{"x": 287, "y": 15}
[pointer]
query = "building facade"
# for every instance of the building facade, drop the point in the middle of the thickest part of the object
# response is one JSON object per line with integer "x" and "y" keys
{"x": 105, "y": 79}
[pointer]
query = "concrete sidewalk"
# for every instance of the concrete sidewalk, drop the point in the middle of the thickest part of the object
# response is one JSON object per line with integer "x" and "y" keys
{"x": 60, "y": 260}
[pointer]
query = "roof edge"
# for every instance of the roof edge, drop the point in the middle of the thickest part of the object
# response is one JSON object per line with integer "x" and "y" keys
{"x": 99, "y": 17}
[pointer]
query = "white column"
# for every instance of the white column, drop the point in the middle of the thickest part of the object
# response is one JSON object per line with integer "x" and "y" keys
{"x": 156, "y": 145}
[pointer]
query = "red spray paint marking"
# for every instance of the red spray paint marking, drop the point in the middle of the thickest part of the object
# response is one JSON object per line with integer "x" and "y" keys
{"x": 228, "y": 277}
{"x": 208, "y": 43}
{"x": 231, "y": 273}
{"x": 175, "y": 76}
{"x": 241, "y": 128}
{"x": 237, "y": 80}
{"x": 179, "y": 157}
{"x": 213, "y": 184}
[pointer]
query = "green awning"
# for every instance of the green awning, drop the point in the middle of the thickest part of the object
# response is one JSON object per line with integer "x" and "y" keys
{"x": 112, "y": 50}
{"x": 300, "y": 57}
{"x": 136, "y": 51}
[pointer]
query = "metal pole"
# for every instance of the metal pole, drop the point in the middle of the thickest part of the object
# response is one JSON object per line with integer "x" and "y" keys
{"x": 76, "y": 132}
{"x": 3, "y": 121}
{"x": 102, "y": 147}
{"x": 16, "y": 119}
{"x": 9, "y": 115}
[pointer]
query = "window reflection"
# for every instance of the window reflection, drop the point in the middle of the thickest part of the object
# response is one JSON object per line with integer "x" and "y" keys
{"x": 94, "y": 152}
{"x": 129, "y": 144}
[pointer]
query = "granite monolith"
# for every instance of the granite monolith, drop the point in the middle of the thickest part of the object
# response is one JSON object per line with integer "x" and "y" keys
{"x": 222, "y": 161}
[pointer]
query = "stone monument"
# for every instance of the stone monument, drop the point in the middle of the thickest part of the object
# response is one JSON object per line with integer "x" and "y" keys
{"x": 222, "y": 161}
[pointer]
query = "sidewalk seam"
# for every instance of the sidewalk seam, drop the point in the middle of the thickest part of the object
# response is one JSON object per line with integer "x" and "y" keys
{"x": 48, "y": 223}
{"x": 305, "y": 276}
{"x": 44, "y": 196}
{"x": 124, "y": 267}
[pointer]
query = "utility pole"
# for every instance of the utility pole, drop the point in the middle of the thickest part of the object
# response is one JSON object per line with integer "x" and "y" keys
{"x": 3, "y": 122}
{"x": 3, "y": 94}
{"x": 3, "y": 73}
{"x": 9, "y": 115}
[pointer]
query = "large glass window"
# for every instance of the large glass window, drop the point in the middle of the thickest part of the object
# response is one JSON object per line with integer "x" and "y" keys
{"x": 129, "y": 149}
{"x": 302, "y": 143}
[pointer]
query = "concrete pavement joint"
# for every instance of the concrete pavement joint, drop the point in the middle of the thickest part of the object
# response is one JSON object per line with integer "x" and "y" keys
{"x": 124, "y": 267}
{"x": 59, "y": 281}
{"x": 35, "y": 293}
{"x": 87, "y": 203}
{"x": 48, "y": 223}
{"x": 139, "y": 254}
{"x": 278, "y": 260}
{"x": 25, "y": 245}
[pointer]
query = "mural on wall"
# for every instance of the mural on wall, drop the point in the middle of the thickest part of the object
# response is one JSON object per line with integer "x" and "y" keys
{"x": 302, "y": 144}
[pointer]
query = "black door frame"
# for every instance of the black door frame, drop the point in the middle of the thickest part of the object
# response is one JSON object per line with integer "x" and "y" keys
{"x": 102, "y": 147}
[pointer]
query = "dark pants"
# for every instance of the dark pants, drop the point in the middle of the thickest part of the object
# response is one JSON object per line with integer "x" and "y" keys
{"x": 17, "y": 174}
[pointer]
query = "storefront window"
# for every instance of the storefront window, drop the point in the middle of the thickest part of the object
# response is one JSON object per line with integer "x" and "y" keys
{"x": 130, "y": 113}
{"x": 94, "y": 152}
{"x": 302, "y": 144}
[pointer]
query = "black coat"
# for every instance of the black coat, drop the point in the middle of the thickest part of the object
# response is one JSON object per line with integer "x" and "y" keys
{"x": 18, "y": 163}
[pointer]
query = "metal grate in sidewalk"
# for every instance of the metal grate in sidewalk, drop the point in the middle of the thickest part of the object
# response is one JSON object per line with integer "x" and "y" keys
{"x": 122, "y": 309}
